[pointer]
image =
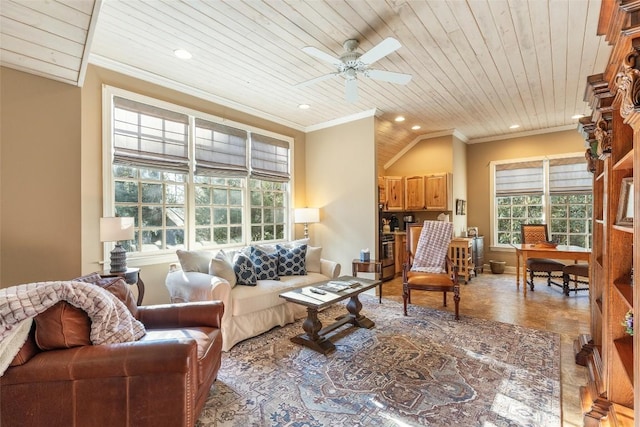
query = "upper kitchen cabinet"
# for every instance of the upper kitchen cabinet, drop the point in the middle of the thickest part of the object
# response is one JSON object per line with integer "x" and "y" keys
{"x": 394, "y": 191}
{"x": 414, "y": 193}
{"x": 438, "y": 192}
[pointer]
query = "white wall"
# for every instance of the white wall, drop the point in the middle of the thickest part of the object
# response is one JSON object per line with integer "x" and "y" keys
{"x": 342, "y": 182}
{"x": 459, "y": 158}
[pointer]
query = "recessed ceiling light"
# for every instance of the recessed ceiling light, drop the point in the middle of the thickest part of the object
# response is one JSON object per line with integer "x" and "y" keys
{"x": 415, "y": 127}
{"x": 182, "y": 54}
{"x": 514, "y": 126}
{"x": 577, "y": 116}
{"x": 304, "y": 106}
{"x": 399, "y": 119}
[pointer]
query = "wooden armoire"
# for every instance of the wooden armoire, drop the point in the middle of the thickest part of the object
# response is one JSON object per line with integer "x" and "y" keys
{"x": 611, "y": 354}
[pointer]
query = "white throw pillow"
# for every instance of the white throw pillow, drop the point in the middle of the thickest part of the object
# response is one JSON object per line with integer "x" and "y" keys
{"x": 194, "y": 260}
{"x": 312, "y": 260}
{"x": 221, "y": 267}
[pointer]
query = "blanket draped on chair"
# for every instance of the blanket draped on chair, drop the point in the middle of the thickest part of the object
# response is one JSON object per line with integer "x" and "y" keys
{"x": 111, "y": 321}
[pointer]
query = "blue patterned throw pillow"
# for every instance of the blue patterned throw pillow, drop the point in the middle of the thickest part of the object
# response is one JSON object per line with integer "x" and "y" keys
{"x": 265, "y": 265}
{"x": 291, "y": 261}
{"x": 245, "y": 273}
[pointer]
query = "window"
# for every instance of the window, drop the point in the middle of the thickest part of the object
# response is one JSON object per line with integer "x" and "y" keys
{"x": 556, "y": 192}
{"x": 191, "y": 181}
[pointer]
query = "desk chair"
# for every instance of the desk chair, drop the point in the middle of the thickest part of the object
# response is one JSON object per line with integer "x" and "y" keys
{"x": 540, "y": 267}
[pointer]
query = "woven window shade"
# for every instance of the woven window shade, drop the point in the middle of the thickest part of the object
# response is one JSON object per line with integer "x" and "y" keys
{"x": 220, "y": 149}
{"x": 149, "y": 136}
{"x": 269, "y": 158}
{"x": 519, "y": 178}
{"x": 569, "y": 175}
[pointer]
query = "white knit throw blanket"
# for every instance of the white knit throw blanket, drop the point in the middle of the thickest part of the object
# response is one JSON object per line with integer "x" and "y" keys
{"x": 111, "y": 320}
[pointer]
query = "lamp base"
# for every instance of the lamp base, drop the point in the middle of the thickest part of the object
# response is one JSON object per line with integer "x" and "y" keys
{"x": 306, "y": 230}
{"x": 118, "y": 259}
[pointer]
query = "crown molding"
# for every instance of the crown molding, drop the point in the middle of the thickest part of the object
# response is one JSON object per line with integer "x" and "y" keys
{"x": 342, "y": 120}
{"x": 523, "y": 134}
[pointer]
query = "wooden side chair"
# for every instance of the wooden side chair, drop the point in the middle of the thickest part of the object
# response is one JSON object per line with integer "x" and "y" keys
{"x": 540, "y": 267}
{"x": 427, "y": 267}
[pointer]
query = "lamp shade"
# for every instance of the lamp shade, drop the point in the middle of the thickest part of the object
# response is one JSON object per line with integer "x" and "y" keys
{"x": 114, "y": 229}
{"x": 306, "y": 215}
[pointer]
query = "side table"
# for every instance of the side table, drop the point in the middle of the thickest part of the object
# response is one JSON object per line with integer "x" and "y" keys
{"x": 371, "y": 266}
{"x": 131, "y": 276}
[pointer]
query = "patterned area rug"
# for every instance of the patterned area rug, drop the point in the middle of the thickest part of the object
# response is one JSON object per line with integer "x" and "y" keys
{"x": 422, "y": 370}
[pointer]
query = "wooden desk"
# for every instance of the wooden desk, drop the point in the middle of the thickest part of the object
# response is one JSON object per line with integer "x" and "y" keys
{"x": 526, "y": 251}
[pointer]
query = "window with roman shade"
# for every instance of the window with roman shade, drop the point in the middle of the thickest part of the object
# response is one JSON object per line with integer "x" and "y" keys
{"x": 269, "y": 158}
{"x": 220, "y": 150}
{"x": 555, "y": 191}
{"x": 144, "y": 135}
{"x": 190, "y": 179}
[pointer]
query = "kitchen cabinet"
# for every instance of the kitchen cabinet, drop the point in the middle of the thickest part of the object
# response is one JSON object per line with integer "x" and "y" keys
{"x": 394, "y": 191}
{"x": 414, "y": 193}
{"x": 382, "y": 195}
{"x": 438, "y": 192}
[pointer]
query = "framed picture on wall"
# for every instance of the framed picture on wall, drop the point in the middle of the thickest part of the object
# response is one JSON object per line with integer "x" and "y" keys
{"x": 461, "y": 207}
{"x": 625, "y": 204}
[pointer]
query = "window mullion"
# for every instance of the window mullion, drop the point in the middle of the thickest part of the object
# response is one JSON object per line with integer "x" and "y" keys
{"x": 190, "y": 228}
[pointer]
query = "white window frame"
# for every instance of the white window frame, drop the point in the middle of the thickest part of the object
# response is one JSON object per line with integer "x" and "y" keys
{"x": 108, "y": 191}
{"x": 545, "y": 198}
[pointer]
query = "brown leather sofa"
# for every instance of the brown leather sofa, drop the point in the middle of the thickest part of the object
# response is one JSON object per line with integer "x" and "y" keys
{"x": 161, "y": 380}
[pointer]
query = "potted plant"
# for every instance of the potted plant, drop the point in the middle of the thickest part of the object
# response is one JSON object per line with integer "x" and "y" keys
{"x": 628, "y": 322}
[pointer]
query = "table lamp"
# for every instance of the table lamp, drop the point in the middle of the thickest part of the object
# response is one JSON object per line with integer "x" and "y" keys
{"x": 306, "y": 216}
{"x": 116, "y": 229}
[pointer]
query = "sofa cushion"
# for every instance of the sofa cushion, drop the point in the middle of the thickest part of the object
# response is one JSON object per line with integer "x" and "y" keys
{"x": 194, "y": 260}
{"x": 220, "y": 266}
{"x": 291, "y": 261}
{"x": 243, "y": 267}
{"x": 62, "y": 326}
{"x": 312, "y": 259}
{"x": 266, "y": 293}
{"x": 265, "y": 264}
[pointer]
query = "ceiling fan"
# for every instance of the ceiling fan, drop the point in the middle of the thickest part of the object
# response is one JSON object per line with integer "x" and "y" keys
{"x": 351, "y": 64}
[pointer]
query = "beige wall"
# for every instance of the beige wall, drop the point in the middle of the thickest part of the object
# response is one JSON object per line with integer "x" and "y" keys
{"x": 342, "y": 182}
{"x": 40, "y": 179}
{"x": 478, "y": 186}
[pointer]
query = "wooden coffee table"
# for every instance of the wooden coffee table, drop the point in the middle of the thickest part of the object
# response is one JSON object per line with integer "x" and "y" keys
{"x": 315, "y": 336}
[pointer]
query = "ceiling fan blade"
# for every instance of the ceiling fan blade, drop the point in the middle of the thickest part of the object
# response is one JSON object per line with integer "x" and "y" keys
{"x": 316, "y": 80}
{"x": 382, "y": 49}
{"x": 351, "y": 90}
{"x": 321, "y": 55}
{"x": 389, "y": 76}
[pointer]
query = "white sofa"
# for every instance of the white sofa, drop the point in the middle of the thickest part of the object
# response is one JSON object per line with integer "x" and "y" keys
{"x": 248, "y": 310}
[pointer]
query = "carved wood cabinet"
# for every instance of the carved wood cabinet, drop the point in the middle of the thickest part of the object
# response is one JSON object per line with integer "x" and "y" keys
{"x": 612, "y": 395}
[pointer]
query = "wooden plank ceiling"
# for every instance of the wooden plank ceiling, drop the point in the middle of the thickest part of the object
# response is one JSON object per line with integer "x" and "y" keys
{"x": 478, "y": 66}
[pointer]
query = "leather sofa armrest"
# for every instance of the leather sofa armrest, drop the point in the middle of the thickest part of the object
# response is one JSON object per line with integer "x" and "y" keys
{"x": 182, "y": 315}
{"x": 330, "y": 269}
{"x": 138, "y": 358}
